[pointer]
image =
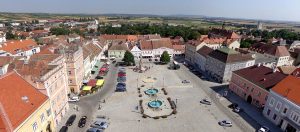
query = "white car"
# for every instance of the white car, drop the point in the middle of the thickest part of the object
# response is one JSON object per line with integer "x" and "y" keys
{"x": 263, "y": 129}
{"x": 225, "y": 123}
{"x": 74, "y": 99}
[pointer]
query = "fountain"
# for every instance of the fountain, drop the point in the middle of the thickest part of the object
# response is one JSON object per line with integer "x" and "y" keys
{"x": 155, "y": 103}
{"x": 151, "y": 91}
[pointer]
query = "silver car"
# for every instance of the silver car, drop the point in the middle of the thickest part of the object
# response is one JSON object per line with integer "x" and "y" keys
{"x": 100, "y": 124}
{"x": 225, "y": 123}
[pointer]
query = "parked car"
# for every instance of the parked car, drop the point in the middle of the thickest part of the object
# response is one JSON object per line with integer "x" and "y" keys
{"x": 74, "y": 99}
{"x": 71, "y": 120}
{"x": 122, "y": 68}
{"x": 121, "y": 79}
{"x": 121, "y": 87}
{"x": 225, "y": 123}
{"x": 185, "y": 81}
{"x": 114, "y": 61}
{"x": 263, "y": 129}
{"x": 233, "y": 105}
{"x": 95, "y": 130}
{"x": 121, "y": 74}
{"x": 82, "y": 121}
{"x": 63, "y": 129}
{"x": 237, "y": 109}
{"x": 205, "y": 101}
{"x": 120, "y": 90}
{"x": 100, "y": 124}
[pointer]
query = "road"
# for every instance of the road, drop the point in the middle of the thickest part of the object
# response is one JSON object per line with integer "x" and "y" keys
{"x": 88, "y": 105}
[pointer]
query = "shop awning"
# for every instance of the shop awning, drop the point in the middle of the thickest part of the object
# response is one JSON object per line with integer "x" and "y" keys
{"x": 87, "y": 88}
{"x": 92, "y": 82}
{"x": 100, "y": 82}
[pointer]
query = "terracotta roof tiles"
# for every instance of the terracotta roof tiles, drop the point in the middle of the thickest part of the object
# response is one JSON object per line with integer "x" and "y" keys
{"x": 261, "y": 76}
{"x": 11, "y": 94}
{"x": 13, "y": 46}
{"x": 289, "y": 88}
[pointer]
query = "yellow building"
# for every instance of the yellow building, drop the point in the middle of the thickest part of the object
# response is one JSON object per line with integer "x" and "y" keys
{"x": 22, "y": 107}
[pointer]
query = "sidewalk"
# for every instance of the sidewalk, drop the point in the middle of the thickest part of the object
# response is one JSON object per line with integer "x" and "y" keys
{"x": 250, "y": 114}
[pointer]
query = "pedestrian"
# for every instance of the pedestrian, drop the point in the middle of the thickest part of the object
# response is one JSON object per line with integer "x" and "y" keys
{"x": 104, "y": 101}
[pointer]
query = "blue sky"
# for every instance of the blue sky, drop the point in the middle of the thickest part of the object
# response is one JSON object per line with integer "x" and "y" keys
{"x": 288, "y": 10}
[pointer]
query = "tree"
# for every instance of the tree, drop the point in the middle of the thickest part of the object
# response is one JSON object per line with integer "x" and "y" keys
{"x": 10, "y": 35}
{"x": 165, "y": 58}
{"x": 128, "y": 58}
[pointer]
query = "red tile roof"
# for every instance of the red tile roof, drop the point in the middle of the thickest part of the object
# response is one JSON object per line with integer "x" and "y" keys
{"x": 13, "y": 45}
{"x": 274, "y": 50}
{"x": 204, "y": 51}
{"x": 289, "y": 88}
{"x": 261, "y": 76}
{"x": 155, "y": 44}
{"x": 5, "y": 60}
{"x": 11, "y": 94}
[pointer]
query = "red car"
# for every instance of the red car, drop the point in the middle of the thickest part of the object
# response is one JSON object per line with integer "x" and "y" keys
{"x": 121, "y": 74}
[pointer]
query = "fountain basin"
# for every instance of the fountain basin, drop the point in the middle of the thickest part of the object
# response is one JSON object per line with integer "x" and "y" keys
{"x": 155, "y": 104}
{"x": 151, "y": 91}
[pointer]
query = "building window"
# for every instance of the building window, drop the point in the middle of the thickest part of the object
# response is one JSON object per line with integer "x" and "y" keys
{"x": 42, "y": 118}
{"x": 70, "y": 81}
{"x": 278, "y": 106}
{"x": 284, "y": 110}
{"x": 272, "y": 102}
{"x": 48, "y": 112}
{"x": 274, "y": 117}
{"x": 34, "y": 126}
{"x": 268, "y": 112}
{"x": 252, "y": 89}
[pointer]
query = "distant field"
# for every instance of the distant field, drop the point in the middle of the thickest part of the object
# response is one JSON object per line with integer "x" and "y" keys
{"x": 191, "y": 22}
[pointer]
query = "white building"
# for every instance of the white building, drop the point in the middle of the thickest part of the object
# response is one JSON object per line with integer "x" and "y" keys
{"x": 279, "y": 53}
{"x": 201, "y": 56}
{"x": 283, "y": 105}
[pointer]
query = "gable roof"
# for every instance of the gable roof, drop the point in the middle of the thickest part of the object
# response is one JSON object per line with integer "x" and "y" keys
{"x": 13, "y": 46}
{"x": 227, "y": 55}
{"x": 155, "y": 44}
{"x": 289, "y": 88}
{"x": 274, "y": 50}
{"x": 118, "y": 46}
{"x": 261, "y": 76}
{"x": 11, "y": 94}
{"x": 204, "y": 51}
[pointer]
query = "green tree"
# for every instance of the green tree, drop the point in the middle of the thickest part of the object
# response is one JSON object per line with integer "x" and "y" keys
{"x": 10, "y": 35}
{"x": 165, "y": 58}
{"x": 128, "y": 58}
{"x": 60, "y": 31}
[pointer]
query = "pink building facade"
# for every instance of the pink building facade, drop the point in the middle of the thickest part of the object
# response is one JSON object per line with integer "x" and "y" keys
{"x": 75, "y": 68}
{"x": 253, "y": 83}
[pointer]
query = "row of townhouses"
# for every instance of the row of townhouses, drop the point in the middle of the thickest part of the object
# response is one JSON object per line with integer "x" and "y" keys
{"x": 55, "y": 71}
{"x": 263, "y": 75}
{"x": 144, "y": 46}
